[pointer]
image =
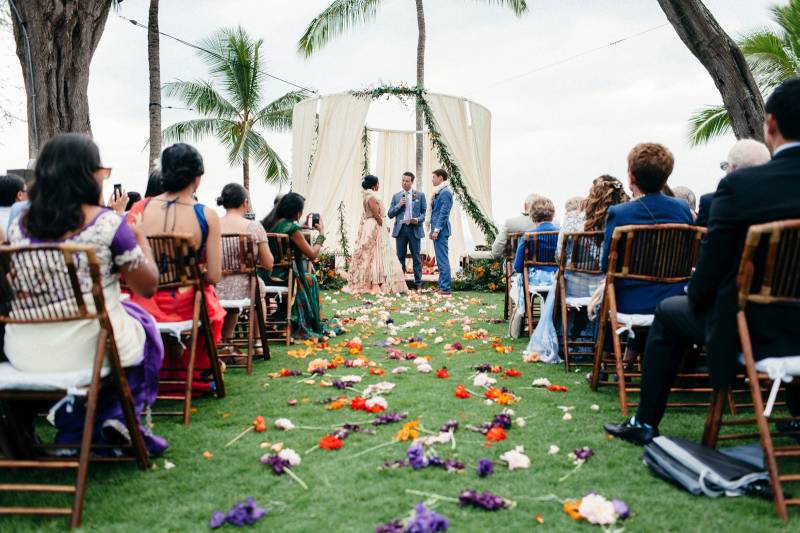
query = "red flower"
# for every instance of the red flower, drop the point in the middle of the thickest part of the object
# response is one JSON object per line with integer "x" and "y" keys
{"x": 492, "y": 393}
{"x": 259, "y": 424}
{"x": 329, "y": 442}
{"x": 513, "y": 373}
{"x": 496, "y": 434}
{"x": 461, "y": 392}
{"x": 376, "y": 408}
{"x": 376, "y": 371}
{"x": 557, "y": 388}
{"x": 442, "y": 373}
{"x": 358, "y": 404}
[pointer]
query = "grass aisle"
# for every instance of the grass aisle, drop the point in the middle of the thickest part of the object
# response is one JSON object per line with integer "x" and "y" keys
{"x": 349, "y": 492}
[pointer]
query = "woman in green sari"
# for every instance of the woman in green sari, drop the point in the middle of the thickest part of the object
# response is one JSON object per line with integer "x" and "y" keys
{"x": 305, "y": 313}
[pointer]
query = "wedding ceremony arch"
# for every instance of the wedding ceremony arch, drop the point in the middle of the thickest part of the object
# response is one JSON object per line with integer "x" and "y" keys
{"x": 332, "y": 149}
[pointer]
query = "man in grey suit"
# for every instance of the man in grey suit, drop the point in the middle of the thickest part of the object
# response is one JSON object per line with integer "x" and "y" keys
{"x": 521, "y": 223}
{"x": 409, "y": 207}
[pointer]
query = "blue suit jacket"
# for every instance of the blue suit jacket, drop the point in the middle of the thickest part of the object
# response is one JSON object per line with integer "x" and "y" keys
{"x": 441, "y": 205}
{"x": 418, "y": 209}
{"x": 546, "y": 247}
{"x": 641, "y": 297}
{"x": 704, "y": 210}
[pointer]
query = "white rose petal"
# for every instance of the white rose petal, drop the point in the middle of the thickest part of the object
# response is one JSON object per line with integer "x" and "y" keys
{"x": 425, "y": 368}
{"x": 168, "y": 465}
{"x": 541, "y": 382}
{"x": 516, "y": 459}
{"x": 520, "y": 422}
{"x": 594, "y": 407}
{"x": 438, "y": 340}
{"x": 377, "y": 400}
{"x": 288, "y": 454}
{"x": 400, "y": 370}
{"x": 351, "y": 379}
{"x": 567, "y": 416}
{"x": 597, "y": 510}
{"x": 553, "y": 449}
{"x": 284, "y": 424}
{"x": 483, "y": 380}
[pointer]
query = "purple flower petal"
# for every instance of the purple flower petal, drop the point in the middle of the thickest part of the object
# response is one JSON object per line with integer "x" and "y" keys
{"x": 621, "y": 508}
{"x": 217, "y": 519}
{"x": 485, "y": 467}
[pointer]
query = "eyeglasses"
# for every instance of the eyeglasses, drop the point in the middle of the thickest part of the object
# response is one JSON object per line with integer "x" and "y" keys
{"x": 724, "y": 166}
{"x": 104, "y": 172}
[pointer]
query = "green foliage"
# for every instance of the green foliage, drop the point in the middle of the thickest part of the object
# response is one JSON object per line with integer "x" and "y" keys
{"x": 231, "y": 104}
{"x": 773, "y": 57}
{"x": 327, "y": 276}
{"x": 404, "y": 93}
{"x": 484, "y": 275}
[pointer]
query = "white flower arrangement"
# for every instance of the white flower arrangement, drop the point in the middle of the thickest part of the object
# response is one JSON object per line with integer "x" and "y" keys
{"x": 483, "y": 380}
{"x": 377, "y": 400}
{"x": 284, "y": 424}
{"x": 289, "y": 455}
{"x": 516, "y": 459}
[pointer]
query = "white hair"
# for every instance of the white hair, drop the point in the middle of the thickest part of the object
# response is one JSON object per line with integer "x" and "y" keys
{"x": 748, "y": 153}
{"x": 685, "y": 193}
{"x": 529, "y": 200}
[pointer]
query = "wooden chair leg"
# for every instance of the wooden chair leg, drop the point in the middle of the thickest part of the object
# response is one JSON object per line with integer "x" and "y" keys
{"x": 598, "y": 350}
{"x": 187, "y": 401}
{"x": 714, "y": 417}
{"x": 620, "y": 367}
{"x": 562, "y": 296}
{"x": 262, "y": 323}
{"x": 211, "y": 347}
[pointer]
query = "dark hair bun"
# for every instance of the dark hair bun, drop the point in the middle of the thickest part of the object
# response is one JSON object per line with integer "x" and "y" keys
{"x": 180, "y": 165}
{"x": 369, "y": 182}
{"x": 233, "y": 196}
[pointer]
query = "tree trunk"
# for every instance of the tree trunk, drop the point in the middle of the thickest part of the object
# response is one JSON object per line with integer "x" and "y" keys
{"x": 246, "y": 172}
{"x": 63, "y": 38}
{"x": 720, "y": 56}
{"x": 154, "y": 66}
{"x": 420, "y": 84}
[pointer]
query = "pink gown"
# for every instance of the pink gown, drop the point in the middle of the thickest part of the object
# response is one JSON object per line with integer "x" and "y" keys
{"x": 374, "y": 267}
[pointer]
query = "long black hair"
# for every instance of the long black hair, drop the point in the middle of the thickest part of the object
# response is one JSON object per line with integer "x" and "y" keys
{"x": 233, "y": 196}
{"x": 290, "y": 206}
{"x": 64, "y": 182}
{"x": 153, "y": 184}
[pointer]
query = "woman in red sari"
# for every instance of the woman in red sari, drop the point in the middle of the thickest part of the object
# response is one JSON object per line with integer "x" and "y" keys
{"x": 176, "y": 211}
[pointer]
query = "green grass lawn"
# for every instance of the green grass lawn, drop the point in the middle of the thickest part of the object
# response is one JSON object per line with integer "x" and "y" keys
{"x": 349, "y": 493}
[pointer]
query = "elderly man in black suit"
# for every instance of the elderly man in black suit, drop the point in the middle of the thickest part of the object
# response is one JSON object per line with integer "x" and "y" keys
{"x": 707, "y": 315}
{"x": 744, "y": 153}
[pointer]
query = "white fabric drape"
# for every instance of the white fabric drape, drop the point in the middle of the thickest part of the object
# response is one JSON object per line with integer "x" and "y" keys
{"x": 395, "y": 155}
{"x": 304, "y": 121}
{"x": 336, "y": 169}
{"x": 470, "y": 147}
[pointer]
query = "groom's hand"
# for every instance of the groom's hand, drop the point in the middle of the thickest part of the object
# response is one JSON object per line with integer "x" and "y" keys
{"x": 402, "y": 202}
{"x": 413, "y": 221}
{"x": 434, "y": 235}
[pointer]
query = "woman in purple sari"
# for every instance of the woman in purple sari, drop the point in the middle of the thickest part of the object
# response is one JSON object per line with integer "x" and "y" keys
{"x": 65, "y": 207}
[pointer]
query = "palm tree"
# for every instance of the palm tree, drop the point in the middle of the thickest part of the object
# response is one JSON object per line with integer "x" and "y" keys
{"x": 773, "y": 57}
{"x": 234, "y": 61}
{"x": 342, "y": 14}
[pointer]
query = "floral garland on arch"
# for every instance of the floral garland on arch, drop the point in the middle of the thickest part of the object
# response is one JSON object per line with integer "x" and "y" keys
{"x": 404, "y": 92}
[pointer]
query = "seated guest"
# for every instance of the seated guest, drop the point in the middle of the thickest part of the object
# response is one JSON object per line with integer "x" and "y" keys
{"x": 542, "y": 212}
{"x": 517, "y": 224}
{"x": 235, "y": 200}
{"x": 12, "y": 190}
{"x": 744, "y": 153}
{"x": 176, "y": 211}
{"x": 133, "y": 197}
{"x": 305, "y": 313}
{"x": 65, "y": 207}
{"x": 707, "y": 314}
{"x": 649, "y": 167}
{"x": 686, "y": 194}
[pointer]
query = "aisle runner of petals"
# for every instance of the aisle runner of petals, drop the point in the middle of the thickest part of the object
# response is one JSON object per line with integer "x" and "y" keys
{"x": 399, "y": 330}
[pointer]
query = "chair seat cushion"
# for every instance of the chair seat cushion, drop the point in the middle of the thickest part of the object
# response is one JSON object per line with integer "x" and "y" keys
{"x": 276, "y": 289}
{"x": 174, "y": 328}
{"x": 235, "y": 304}
{"x": 539, "y": 288}
{"x": 635, "y": 321}
{"x": 13, "y": 379}
{"x": 578, "y": 301}
{"x": 780, "y": 367}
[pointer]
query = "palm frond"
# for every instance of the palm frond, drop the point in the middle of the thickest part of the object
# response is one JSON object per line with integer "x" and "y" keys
{"x": 275, "y": 170}
{"x": 769, "y": 58}
{"x": 277, "y": 115}
{"x": 788, "y": 18}
{"x": 201, "y": 96}
{"x": 233, "y": 57}
{"x": 519, "y": 7}
{"x": 193, "y": 130}
{"x": 708, "y": 123}
{"x": 337, "y": 18}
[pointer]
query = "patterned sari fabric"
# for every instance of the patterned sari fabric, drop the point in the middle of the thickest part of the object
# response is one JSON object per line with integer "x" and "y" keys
{"x": 374, "y": 267}
{"x": 305, "y": 315}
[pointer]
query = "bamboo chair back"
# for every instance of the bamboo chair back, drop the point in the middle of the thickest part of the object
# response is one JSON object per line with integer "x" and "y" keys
{"x": 581, "y": 251}
{"x": 176, "y": 259}
{"x": 659, "y": 253}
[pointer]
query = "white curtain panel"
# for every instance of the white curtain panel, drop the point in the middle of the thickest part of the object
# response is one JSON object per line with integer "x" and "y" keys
{"x": 304, "y": 121}
{"x": 395, "y": 155}
{"x": 469, "y": 146}
{"x": 337, "y": 165}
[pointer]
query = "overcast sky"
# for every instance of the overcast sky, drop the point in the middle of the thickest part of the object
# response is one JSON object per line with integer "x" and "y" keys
{"x": 553, "y": 131}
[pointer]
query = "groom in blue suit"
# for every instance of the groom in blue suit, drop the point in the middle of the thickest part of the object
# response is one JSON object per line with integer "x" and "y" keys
{"x": 441, "y": 204}
{"x": 409, "y": 207}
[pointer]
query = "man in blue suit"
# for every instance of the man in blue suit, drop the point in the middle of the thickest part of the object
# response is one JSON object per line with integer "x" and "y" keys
{"x": 409, "y": 207}
{"x": 441, "y": 204}
{"x": 649, "y": 166}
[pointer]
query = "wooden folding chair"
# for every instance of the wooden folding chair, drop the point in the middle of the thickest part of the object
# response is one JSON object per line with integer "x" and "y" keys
{"x": 580, "y": 255}
{"x": 276, "y": 291}
{"x": 769, "y": 274}
{"x": 239, "y": 253}
{"x": 39, "y": 284}
{"x": 660, "y": 253}
{"x": 178, "y": 268}
{"x": 541, "y": 252}
{"x": 509, "y": 255}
